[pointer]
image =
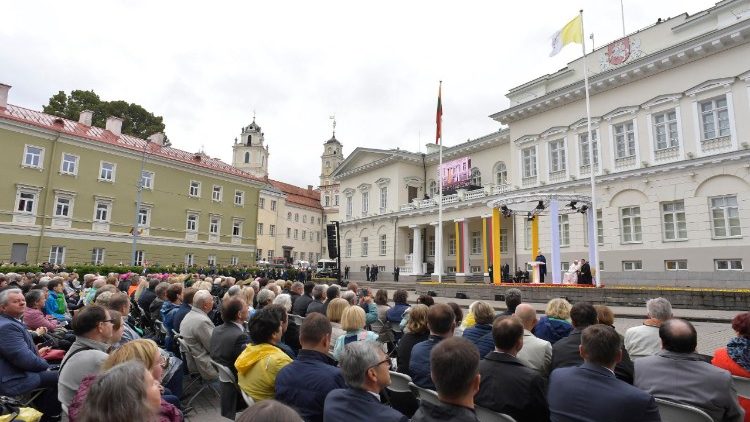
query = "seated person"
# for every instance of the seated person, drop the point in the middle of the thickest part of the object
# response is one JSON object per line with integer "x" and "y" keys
{"x": 442, "y": 321}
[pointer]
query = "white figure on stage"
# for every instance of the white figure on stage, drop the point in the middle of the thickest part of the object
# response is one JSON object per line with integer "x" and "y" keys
{"x": 571, "y": 276}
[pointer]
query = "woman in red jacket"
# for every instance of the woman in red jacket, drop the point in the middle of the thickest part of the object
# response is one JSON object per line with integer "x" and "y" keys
{"x": 735, "y": 357}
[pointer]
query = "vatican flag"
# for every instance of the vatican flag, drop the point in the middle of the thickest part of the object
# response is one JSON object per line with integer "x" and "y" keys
{"x": 571, "y": 32}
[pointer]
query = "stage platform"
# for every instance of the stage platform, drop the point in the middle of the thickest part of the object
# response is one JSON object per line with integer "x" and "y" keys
{"x": 682, "y": 298}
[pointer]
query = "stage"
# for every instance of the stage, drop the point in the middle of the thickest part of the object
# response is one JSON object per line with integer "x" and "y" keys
{"x": 687, "y": 298}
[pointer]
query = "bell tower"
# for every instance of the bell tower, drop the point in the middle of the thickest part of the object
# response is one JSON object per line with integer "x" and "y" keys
{"x": 249, "y": 152}
{"x": 331, "y": 158}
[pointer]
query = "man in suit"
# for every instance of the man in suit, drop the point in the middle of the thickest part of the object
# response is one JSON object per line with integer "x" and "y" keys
{"x": 442, "y": 322}
{"x": 22, "y": 369}
{"x": 227, "y": 342}
{"x": 318, "y": 303}
{"x": 542, "y": 267}
{"x": 678, "y": 374}
{"x": 454, "y": 366}
{"x": 196, "y": 329}
{"x": 565, "y": 351}
{"x": 591, "y": 392}
{"x": 536, "y": 353}
{"x": 365, "y": 368}
{"x": 584, "y": 274}
{"x": 507, "y": 385}
{"x": 300, "y": 305}
{"x": 367, "y": 272}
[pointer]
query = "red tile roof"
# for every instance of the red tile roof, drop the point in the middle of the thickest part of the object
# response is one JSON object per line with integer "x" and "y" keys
{"x": 298, "y": 195}
{"x": 47, "y": 121}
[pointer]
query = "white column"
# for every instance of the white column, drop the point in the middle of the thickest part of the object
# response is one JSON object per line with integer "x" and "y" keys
{"x": 439, "y": 250}
{"x": 416, "y": 257}
{"x": 466, "y": 246}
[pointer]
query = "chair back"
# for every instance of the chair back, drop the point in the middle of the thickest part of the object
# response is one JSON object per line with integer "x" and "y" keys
{"x": 742, "y": 385}
{"x": 424, "y": 394}
{"x": 187, "y": 356}
{"x": 487, "y": 415}
{"x": 297, "y": 319}
{"x": 225, "y": 374}
{"x": 678, "y": 412}
{"x": 160, "y": 326}
{"x": 400, "y": 382}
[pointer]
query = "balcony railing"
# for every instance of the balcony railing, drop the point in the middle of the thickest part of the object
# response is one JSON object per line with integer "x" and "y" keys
{"x": 462, "y": 196}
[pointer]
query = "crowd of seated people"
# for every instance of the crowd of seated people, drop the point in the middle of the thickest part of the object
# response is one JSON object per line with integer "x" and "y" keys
{"x": 311, "y": 352}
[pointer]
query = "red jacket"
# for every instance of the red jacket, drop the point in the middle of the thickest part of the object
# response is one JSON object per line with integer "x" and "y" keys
{"x": 724, "y": 361}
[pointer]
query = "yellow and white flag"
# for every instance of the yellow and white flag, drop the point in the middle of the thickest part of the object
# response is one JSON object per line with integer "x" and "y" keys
{"x": 572, "y": 32}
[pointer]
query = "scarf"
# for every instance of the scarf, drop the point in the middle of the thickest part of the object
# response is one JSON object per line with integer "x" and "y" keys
{"x": 738, "y": 349}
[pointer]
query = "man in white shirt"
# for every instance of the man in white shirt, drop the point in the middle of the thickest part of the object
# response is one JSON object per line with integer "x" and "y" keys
{"x": 644, "y": 340}
{"x": 536, "y": 353}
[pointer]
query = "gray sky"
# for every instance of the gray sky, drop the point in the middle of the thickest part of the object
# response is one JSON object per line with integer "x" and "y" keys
{"x": 205, "y": 66}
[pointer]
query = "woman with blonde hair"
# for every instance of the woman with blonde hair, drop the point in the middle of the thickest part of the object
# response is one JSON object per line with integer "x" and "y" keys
{"x": 416, "y": 332}
{"x": 144, "y": 351}
{"x": 334, "y": 312}
{"x": 484, "y": 315}
{"x": 248, "y": 293}
{"x": 555, "y": 324}
{"x": 353, "y": 322}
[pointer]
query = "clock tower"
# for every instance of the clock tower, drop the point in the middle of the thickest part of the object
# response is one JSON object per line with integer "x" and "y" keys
{"x": 249, "y": 153}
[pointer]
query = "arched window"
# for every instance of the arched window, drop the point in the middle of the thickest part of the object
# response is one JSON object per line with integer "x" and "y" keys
{"x": 476, "y": 177}
{"x": 433, "y": 188}
{"x": 501, "y": 173}
{"x": 247, "y": 157}
{"x": 249, "y": 139}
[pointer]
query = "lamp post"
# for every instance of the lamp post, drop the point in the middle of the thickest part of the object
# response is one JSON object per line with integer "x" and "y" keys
{"x": 138, "y": 201}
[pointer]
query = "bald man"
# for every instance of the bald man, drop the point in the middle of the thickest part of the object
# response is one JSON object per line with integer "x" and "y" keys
{"x": 536, "y": 353}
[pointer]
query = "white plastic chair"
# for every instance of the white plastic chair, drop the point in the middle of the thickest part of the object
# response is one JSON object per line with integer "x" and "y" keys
{"x": 742, "y": 385}
{"x": 487, "y": 415}
{"x": 400, "y": 383}
{"x": 678, "y": 412}
{"x": 424, "y": 394}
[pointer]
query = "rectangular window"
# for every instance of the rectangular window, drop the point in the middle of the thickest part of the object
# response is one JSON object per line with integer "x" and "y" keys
{"x": 476, "y": 243}
{"x": 557, "y": 156}
{"x": 296, "y": 217}
{"x": 258, "y": 254}
{"x": 365, "y": 202}
{"x": 272, "y": 230}
{"x": 97, "y": 256}
{"x": 583, "y": 143}
{"x": 564, "y": 230}
{"x": 296, "y": 234}
{"x": 673, "y": 220}
{"x": 57, "y": 255}
{"x": 107, "y": 172}
{"x": 26, "y": 202}
{"x": 260, "y": 228}
{"x": 273, "y": 205}
{"x": 69, "y": 164}
{"x": 147, "y": 179}
{"x": 143, "y": 217}
{"x": 261, "y": 203}
{"x": 195, "y": 189}
{"x": 327, "y": 201}
{"x": 304, "y": 219}
{"x": 192, "y": 223}
{"x": 234, "y": 260}
{"x": 631, "y": 224}
{"x": 383, "y": 244}
{"x": 33, "y": 156}
{"x": 236, "y": 228}
{"x": 599, "y": 229}
{"x": 211, "y": 260}
{"x": 213, "y": 225}
{"x": 289, "y": 216}
{"x": 624, "y": 140}
{"x": 335, "y": 200}
{"x": 725, "y": 216}
{"x": 714, "y": 118}
{"x": 239, "y": 197}
{"x": 383, "y": 198}
{"x": 526, "y": 233}
{"x": 62, "y": 207}
{"x": 189, "y": 260}
{"x": 216, "y": 193}
{"x": 364, "y": 246}
{"x": 140, "y": 258}
{"x": 304, "y": 234}
{"x": 452, "y": 244}
{"x": 348, "y": 248}
{"x": 348, "y": 206}
{"x": 288, "y": 233}
{"x": 675, "y": 265}
{"x": 728, "y": 264}
{"x": 529, "y": 162}
{"x": 503, "y": 240}
{"x": 431, "y": 246}
{"x": 632, "y": 265}
{"x": 101, "y": 213}
{"x": 665, "y": 129}
{"x": 270, "y": 254}
{"x": 317, "y": 236}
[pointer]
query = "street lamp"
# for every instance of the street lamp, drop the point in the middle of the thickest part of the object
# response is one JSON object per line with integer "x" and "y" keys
{"x": 138, "y": 201}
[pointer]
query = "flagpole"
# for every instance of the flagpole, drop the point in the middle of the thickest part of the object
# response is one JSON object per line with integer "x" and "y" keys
{"x": 439, "y": 252}
{"x": 592, "y": 168}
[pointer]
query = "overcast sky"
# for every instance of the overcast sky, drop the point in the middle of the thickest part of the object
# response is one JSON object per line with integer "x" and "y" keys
{"x": 205, "y": 66}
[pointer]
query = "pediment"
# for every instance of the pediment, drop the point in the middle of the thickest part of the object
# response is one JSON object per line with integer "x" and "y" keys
{"x": 620, "y": 112}
{"x": 709, "y": 85}
{"x": 554, "y": 131}
{"x": 582, "y": 123}
{"x": 662, "y": 99}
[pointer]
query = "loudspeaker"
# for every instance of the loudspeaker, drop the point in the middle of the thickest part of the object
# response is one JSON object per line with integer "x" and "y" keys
{"x": 332, "y": 237}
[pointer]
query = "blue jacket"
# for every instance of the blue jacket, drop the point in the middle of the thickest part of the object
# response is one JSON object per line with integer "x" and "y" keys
{"x": 481, "y": 336}
{"x": 394, "y": 314}
{"x": 168, "y": 309}
{"x": 350, "y": 404}
{"x": 179, "y": 314}
{"x": 20, "y": 363}
{"x": 552, "y": 329}
{"x": 51, "y": 306}
{"x": 591, "y": 393}
{"x": 419, "y": 364}
{"x": 305, "y": 383}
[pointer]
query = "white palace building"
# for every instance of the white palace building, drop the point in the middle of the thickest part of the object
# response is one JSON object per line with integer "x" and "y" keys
{"x": 670, "y": 109}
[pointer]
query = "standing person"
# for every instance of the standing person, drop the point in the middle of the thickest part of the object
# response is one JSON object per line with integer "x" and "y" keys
{"x": 542, "y": 267}
{"x": 396, "y": 271}
{"x": 584, "y": 274}
{"x": 489, "y": 272}
{"x": 346, "y": 273}
{"x": 367, "y": 272}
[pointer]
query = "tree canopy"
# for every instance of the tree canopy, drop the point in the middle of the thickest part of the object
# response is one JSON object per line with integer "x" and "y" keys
{"x": 137, "y": 121}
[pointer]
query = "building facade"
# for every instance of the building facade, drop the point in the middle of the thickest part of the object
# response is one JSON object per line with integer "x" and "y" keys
{"x": 70, "y": 196}
{"x": 671, "y": 155}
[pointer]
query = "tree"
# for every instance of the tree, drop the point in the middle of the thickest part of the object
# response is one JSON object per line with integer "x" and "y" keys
{"x": 137, "y": 121}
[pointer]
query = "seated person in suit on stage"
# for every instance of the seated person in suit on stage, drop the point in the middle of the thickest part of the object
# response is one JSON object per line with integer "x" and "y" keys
{"x": 454, "y": 364}
{"x": 507, "y": 385}
{"x": 679, "y": 374}
{"x": 366, "y": 371}
{"x": 591, "y": 392}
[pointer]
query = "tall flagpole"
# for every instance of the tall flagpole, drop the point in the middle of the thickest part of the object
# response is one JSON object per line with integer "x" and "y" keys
{"x": 592, "y": 168}
{"x": 439, "y": 252}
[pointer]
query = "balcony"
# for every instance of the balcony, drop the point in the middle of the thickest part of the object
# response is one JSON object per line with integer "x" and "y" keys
{"x": 461, "y": 196}
{"x": 715, "y": 145}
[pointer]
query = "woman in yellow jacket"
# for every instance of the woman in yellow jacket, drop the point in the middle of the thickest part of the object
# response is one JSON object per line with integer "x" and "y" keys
{"x": 259, "y": 363}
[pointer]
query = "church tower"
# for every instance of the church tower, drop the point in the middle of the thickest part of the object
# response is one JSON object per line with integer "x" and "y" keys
{"x": 331, "y": 158}
{"x": 249, "y": 153}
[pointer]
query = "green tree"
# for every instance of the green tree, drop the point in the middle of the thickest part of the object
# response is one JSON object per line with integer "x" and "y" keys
{"x": 137, "y": 121}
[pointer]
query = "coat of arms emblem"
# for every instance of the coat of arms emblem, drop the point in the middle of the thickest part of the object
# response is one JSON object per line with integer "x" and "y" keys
{"x": 618, "y": 52}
